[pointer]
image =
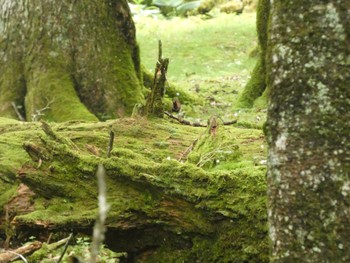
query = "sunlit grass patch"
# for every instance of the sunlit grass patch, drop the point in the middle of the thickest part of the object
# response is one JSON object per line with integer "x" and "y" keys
{"x": 210, "y": 58}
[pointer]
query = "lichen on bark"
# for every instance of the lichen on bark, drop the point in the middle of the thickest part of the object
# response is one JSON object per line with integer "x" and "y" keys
{"x": 308, "y": 131}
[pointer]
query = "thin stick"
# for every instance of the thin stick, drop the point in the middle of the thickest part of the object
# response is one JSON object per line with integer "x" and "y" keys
{"x": 160, "y": 51}
{"x": 9, "y": 255}
{"x": 110, "y": 144}
{"x": 49, "y": 239}
{"x": 99, "y": 227}
{"x": 194, "y": 124}
{"x": 185, "y": 122}
{"x": 19, "y": 115}
{"x": 18, "y": 256}
{"x": 65, "y": 247}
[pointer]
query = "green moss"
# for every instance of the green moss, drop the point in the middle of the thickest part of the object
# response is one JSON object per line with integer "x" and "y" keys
{"x": 60, "y": 102}
{"x": 216, "y": 214}
{"x": 212, "y": 150}
{"x": 8, "y": 190}
{"x": 261, "y": 102}
{"x": 257, "y": 83}
{"x": 255, "y": 86}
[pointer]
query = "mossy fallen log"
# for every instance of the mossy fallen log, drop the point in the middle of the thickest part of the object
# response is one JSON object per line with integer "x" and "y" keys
{"x": 162, "y": 209}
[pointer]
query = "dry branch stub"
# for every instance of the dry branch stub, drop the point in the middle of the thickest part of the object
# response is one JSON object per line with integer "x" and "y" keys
{"x": 154, "y": 104}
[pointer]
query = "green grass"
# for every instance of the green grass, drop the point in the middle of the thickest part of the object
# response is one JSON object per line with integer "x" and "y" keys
{"x": 209, "y": 48}
{"x": 209, "y": 58}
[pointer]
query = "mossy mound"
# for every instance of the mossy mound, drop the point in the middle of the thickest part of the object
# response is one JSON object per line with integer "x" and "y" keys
{"x": 162, "y": 210}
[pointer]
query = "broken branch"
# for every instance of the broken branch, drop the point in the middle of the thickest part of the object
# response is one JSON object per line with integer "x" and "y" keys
{"x": 7, "y": 256}
{"x": 195, "y": 124}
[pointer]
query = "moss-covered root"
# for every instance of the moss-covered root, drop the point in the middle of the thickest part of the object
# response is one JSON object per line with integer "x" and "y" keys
{"x": 257, "y": 83}
{"x": 51, "y": 96}
{"x": 255, "y": 86}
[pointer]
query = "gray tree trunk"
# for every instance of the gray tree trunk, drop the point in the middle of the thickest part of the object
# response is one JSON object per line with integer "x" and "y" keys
{"x": 68, "y": 59}
{"x": 308, "y": 131}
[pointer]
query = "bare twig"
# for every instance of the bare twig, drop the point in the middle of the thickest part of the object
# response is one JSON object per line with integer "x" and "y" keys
{"x": 49, "y": 239}
{"x": 10, "y": 255}
{"x": 194, "y": 124}
{"x": 18, "y": 256}
{"x": 38, "y": 113}
{"x": 185, "y": 122}
{"x": 160, "y": 51}
{"x": 19, "y": 115}
{"x": 65, "y": 247}
{"x": 154, "y": 104}
{"x": 99, "y": 228}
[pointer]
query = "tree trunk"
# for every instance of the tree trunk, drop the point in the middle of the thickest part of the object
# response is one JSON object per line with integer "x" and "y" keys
{"x": 64, "y": 60}
{"x": 308, "y": 131}
{"x": 257, "y": 83}
{"x": 161, "y": 210}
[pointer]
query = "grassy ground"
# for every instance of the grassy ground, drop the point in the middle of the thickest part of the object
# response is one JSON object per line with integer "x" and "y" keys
{"x": 210, "y": 58}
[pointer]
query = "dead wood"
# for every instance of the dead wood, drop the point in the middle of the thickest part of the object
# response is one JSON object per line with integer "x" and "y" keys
{"x": 7, "y": 256}
{"x": 194, "y": 124}
{"x": 154, "y": 105}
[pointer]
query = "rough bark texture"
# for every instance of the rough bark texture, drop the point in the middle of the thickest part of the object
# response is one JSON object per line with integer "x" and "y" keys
{"x": 161, "y": 209}
{"x": 257, "y": 83}
{"x": 77, "y": 58}
{"x": 308, "y": 131}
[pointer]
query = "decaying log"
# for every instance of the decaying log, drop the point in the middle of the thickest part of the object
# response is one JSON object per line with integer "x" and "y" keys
{"x": 7, "y": 256}
{"x": 161, "y": 209}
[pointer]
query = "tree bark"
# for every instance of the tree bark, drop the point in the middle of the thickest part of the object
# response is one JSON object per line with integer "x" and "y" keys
{"x": 308, "y": 131}
{"x": 64, "y": 60}
{"x": 161, "y": 210}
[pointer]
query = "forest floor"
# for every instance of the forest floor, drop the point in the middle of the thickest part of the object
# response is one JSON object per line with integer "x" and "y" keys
{"x": 211, "y": 60}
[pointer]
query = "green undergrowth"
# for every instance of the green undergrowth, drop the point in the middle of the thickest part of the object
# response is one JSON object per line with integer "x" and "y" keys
{"x": 151, "y": 182}
{"x": 209, "y": 59}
